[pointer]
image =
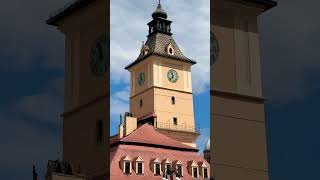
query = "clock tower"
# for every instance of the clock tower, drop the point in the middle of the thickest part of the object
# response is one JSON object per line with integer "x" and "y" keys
{"x": 238, "y": 136}
{"x": 85, "y": 126}
{"x": 160, "y": 83}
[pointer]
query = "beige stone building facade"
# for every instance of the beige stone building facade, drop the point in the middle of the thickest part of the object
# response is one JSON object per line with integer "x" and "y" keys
{"x": 238, "y": 136}
{"x": 85, "y": 26}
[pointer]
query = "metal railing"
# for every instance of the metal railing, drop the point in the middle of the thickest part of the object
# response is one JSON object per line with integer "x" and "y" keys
{"x": 179, "y": 127}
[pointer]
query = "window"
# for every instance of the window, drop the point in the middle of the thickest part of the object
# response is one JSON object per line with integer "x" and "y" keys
{"x": 140, "y": 102}
{"x": 175, "y": 121}
{"x": 170, "y": 51}
{"x": 173, "y": 100}
{"x": 168, "y": 169}
{"x": 157, "y": 169}
{"x": 179, "y": 170}
{"x": 139, "y": 168}
{"x": 99, "y": 131}
{"x": 195, "y": 172}
{"x": 127, "y": 166}
{"x": 205, "y": 173}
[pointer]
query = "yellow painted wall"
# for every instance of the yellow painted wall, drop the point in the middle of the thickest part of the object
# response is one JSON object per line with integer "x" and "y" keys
{"x": 157, "y": 91}
{"x": 182, "y": 109}
{"x": 86, "y": 95}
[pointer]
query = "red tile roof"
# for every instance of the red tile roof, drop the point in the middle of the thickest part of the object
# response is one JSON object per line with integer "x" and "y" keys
{"x": 147, "y": 135}
{"x": 146, "y": 142}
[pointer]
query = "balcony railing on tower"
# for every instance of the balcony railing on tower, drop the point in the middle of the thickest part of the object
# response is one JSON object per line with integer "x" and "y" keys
{"x": 179, "y": 127}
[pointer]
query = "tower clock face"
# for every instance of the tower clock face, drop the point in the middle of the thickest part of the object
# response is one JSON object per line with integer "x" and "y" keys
{"x": 172, "y": 76}
{"x": 214, "y": 49}
{"x": 141, "y": 79}
{"x": 99, "y": 55}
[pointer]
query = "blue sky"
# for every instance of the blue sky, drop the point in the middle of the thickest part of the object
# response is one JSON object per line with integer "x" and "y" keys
{"x": 129, "y": 28}
{"x": 31, "y": 76}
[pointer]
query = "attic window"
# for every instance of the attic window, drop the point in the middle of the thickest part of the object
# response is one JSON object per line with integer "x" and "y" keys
{"x": 195, "y": 172}
{"x": 157, "y": 168}
{"x": 178, "y": 168}
{"x": 167, "y": 166}
{"x": 139, "y": 166}
{"x": 167, "y": 169}
{"x": 205, "y": 172}
{"x": 127, "y": 167}
{"x": 170, "y": 49}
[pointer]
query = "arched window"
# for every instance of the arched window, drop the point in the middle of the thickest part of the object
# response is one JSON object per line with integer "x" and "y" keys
{"x": 140, "y": 102}
{"x": 173, "y": 100}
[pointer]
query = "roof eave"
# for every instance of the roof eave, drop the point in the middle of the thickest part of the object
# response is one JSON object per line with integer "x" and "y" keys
{"x": 157, "y": 54}
{"x": 77, "y": 5}
{"x": 154, "y": 145}
{"x": 268, "y": 4}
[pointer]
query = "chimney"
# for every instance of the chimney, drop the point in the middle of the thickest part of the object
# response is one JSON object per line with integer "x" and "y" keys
{"x": 120, "y": 128}
{"x": 130, "y": 124}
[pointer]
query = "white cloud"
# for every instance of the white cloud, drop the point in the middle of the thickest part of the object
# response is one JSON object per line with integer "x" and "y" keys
{"x": 119, "y": 104}
{"x": 202, "y": 140}
{"x": 191, "y": 26}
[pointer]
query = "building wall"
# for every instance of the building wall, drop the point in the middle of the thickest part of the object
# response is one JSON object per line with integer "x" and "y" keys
{"x": 148, "y": 106}
{"x": 182, "y": 109}
{"x": 86, "y": 95}
{"x": 157, "y": 91}
{"x": 238, "y": 146}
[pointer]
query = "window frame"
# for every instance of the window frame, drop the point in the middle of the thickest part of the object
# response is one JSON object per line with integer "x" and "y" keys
{"x": 175, "y": 121}
{"x": 179, "y": 165}
{"x": 155, "y": 169}
{"x": 173, "y": 100}
{"x": 99, "y": 131}
{"x": 205, "y": 174}
{"x": 125, "y": 167}
{"x": 137, "y": 165}
{"x": 197, "y": 173}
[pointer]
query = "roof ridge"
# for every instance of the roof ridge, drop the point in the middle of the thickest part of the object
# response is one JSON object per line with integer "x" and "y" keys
{"x": 154, "y": 138}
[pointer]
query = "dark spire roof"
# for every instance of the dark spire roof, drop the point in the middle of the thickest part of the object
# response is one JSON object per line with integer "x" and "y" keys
{"x": 159, "y": 12}
{"x": 159, "y": 38}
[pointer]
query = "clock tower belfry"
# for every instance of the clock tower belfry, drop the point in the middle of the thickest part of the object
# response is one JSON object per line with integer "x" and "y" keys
{"x": 160, "y": 83}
